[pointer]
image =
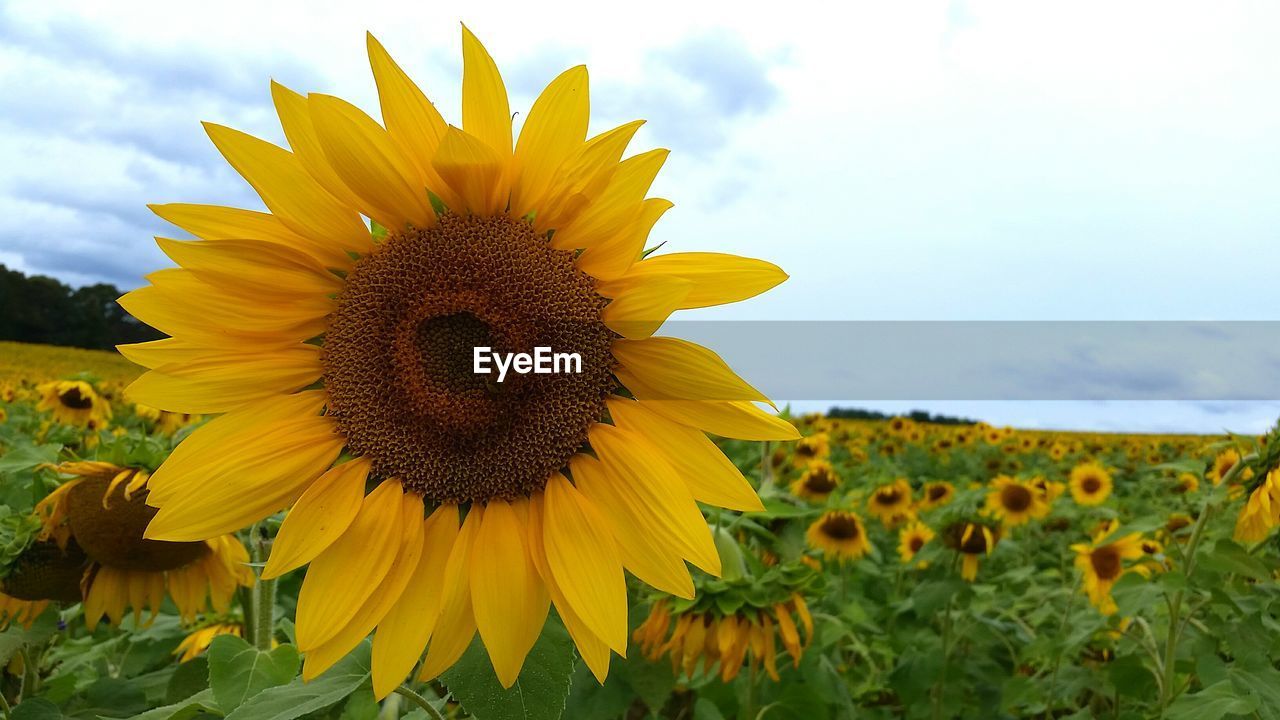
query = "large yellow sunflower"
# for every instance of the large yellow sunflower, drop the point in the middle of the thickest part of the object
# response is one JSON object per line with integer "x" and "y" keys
{"x": 1015, "y": 502}
{"x": 1102, "y": 563}
{"x": 102, "y": 513}
{"x": 320, "y": 336}
{"x": 840, "y": 534}
{"x": 892, "y": 502}
{"x": 1090, "y": 484}
{"x": 817, "y": 482}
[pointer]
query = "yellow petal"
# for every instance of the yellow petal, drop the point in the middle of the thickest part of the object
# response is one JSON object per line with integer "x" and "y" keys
{"x": 406, "y": 629}
{"x": 371, "y": 164}
{"x": 406, "y": 527}
{"x": 341, "y": 578}
{"x": 212, "y": 222}
{"x": 646, "y": 482}
{"x": 255, "y": 266}
{"x": 710, "y": 476}
{"x": 295, "y": 119}
{"x": 485, "y": 111}
{"x": 595, "y": 653}
{"x": 321, "y": 515}
{"x": 583, "y": 559}
{"x": 680, "y": 370}
{"x": 215, "y": 381}
{"x": 653, "y": 557}
{"x": 411, "y": 119}
{"x": 289, "y": 191}
{"x": 718, "y": 279}
{"x": 508, "y": 598}
{"x": 638, "y": 310}
{"x": 457, "y": 624}
{"x": 612, "y": 258}
{"x": 555, "y": 129}
{"x": 242, "y": 467}
{"x": 617, "y": 207}
{"x": 740, "y": 420}
{"x": 472, "y": 169}
{"x": 583, "y": 177}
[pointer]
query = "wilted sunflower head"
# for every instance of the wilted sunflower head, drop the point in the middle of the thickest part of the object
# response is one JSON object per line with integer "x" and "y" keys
{"x": 840, "y": 534}
{"x": 1090, "y": 484}
{"x": 74, "y": 402}
{"x": 480, "y": 352}
{"x": 817, "y": 482}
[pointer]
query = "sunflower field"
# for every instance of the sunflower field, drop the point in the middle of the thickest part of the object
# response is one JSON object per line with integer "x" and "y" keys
{"x": 896, "y": 569}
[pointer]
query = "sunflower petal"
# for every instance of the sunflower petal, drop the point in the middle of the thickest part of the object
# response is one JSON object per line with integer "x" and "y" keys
{"x": 509, "y": 599}
{"x": 213, "y": 222}
{"x": 680, "y": 370}
{"x": 325, "y": 511}
{"x": 456, "y": 625}
{"x": 556, "y": 127}
{"x": 406, "y": 629}
{"x": 710, "y": 476}
{"x": 583, "y": 176}
{"x": 486, "y": 113}
{"x": 618, "y": 205}
{"x": 612, "y": 258}
{"x": 472, "y": 169}
{"x": 638, "y": 310}
{"x": 718, "y": 279}
{"x": 584, "y": 561}
{"x": 300, "y": 131}
{"x": 340, "y": 578}
{"x": 219, "y": 381}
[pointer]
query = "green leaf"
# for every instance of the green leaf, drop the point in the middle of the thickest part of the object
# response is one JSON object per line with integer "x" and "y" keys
{"x": 539, "y": 692}
{"x": 1212, "y": 703}
{"x": 35, "y": 709}
{"x": 652, "y": 682}
{"x": 188, "y": 679}
{"x": 238, "y": 670}
{"x": 296, "y": 699}
{"x": 1228, "y": 557}
{"x": 199, "y": 704}
{"x": 115, "y": 698}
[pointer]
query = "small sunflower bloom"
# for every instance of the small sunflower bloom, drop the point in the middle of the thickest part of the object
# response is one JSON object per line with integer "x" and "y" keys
{"x": 891, "y": 503}
{"x": 74, "y": 402}
{"x": 911, "y": 538}
{"x": 1014, "y": 502}
{"x": 817, "y": 482}
{"x": 1090, "y": 484}
{"x": 973, "y": 541}
{"x": 1102, "y": 563}
{"x": 839, "y": 534}
{"x": 936, "y": 494}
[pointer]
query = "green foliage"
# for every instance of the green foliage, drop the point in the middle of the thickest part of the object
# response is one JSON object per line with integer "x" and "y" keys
{"x": 539, "y": 692}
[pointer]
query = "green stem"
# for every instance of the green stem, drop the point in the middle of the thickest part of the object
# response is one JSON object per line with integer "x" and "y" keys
{"x": 4, "y": 705}
{"x": 264, "y": 593}
{"x": 946, "y": 653}
{"x": 420, "y": 702}
{"x": 30, "y": 674}
{"x": 1175, "y": 608}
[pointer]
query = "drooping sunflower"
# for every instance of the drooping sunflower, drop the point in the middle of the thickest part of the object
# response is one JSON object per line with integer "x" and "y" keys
{"x": 840, "y": 534}
{"x": 198, "y": 640}
{"x": 1015, "y": 502}
{"x": 164, "y": 422}
{"x": 73, "y": 402}
{"x": 936, "y": 494}
{"x": 1102, "y": 563}
{"x": 911, "y": 538}
{"x": 972, "y": 540}
{"x": 891, "y": 502}
{"x": 102, "y": 512}
{"x": 1261, "y": 513}
{"x": 817, "y": 482}
{"x": 1090, "y": 484}
{"x": 1186, "y": 483}
{"x": 723, "y": 642}
{"x": 319, "y": 336}
{"x": 1050, "y": 489}
{"x": 811, "y": 448}
{"x": 23, "y": 612}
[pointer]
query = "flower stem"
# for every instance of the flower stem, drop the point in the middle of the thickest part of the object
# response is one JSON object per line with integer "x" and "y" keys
{"x": 264, "y": 592}
{"x": 420, "y": 702}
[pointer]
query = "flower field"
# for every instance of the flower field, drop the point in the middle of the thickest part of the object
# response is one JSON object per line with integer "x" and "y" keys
{"x": 897, "y": 569}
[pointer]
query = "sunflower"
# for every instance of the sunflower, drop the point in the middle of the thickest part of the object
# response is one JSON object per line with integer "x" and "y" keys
{"x": 936, "y": 494}
{"x": 1261, "y": 513}
{"x": 1102, "y": 564}
{"x": 1090, "y": 484}
{"x": 891, "y": 502}
{"x": 817, "y": 482}
{"x": 166, "y": 423}
{"x": 1050, "y": 489}
{"x": 840, "y": 534}
{"x": 320, "y": 337}
{"x": 1186, "y": 483}
{"x": 1015, "y": 502}
{"x": 23, "y": 612}
{"x": 726, "y": 640}
{"x": 74, "y": 402}
{"x": 102, "y": 511}
{"x": 972, "y": 541}
{"x": 911, "y": 538}
{"x": 1223, "y": 463}
{"x": 197, "y": 641}
{"x": 810, "y": 448}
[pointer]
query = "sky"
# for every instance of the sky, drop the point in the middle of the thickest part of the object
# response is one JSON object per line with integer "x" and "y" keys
{"x": 947, "y": 160}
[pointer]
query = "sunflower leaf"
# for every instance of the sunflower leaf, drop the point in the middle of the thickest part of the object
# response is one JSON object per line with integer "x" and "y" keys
{"x": 539, "y": 693}
{"x": 238, "y": 670}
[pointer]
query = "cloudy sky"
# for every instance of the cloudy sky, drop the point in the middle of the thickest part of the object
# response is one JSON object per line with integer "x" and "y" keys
{"x": 949, "y": 160}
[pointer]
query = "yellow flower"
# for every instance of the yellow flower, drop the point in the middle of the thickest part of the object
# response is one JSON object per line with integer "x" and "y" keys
{"x": 103, "y": 509}
{"x": 74, "y": 402}
{"x": 1014, "y": 502}
{"x": 1102, "y": 564}
{"x": 1186, "y": 483}
{"x": 1262, "y": 511}
{"x": 1051, "y": 490}
{"x": 891, "y": 503}
{"x": 817, "y": 482}
{"x": 197, "y": 641}
{"x": 911, "y": 538}
{"x": 972, "y": 541}
{"x": 840, "y": 534}
{"x": 23, "y": 612}
{"x": 1222, "y": 465}
{"x": 808, "y": 449}
{"x": 485, "y": 249}
{"x": 1090, "y": 484}
{"x": 166, "y": 423}
{"x": 936, "y": 494}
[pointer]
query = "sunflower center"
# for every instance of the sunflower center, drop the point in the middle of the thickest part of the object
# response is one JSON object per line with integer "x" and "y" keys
{"x": 840, "y": 527}
{"x": 1091, "y": 484}
{"x": 916, "y": 543}
{"x": 399, "y": 359}
{"x": 937, "y": 492}
{"x": 1106, "y": 562}
{"x": 75, "y": 399}
{"x": 1015, "y": 498}
{"x": 888, "y": 498}
{"x": 820, "y": 481}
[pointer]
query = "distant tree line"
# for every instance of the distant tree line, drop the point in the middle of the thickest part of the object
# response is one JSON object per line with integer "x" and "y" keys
{"x": 919, "y": 416}
{"x": 40, "y": 309}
